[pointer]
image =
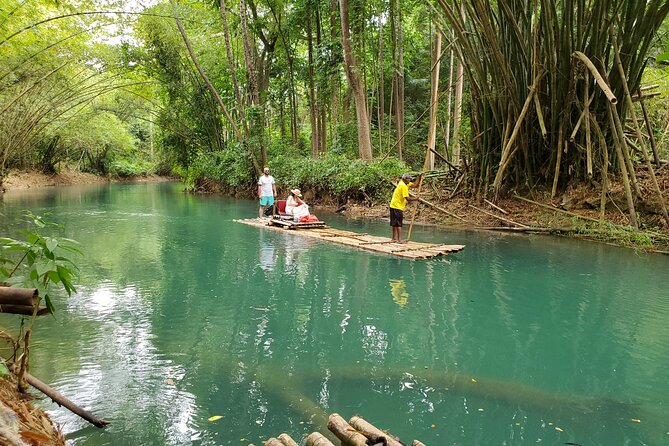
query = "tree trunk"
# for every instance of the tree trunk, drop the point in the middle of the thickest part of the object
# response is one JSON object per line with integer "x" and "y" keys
{"x": 231, "y": 67}
{"x": 457, "y": 108}
{"x": 399, "y": 80}
{"x": 352, "y": 68}
{"x": 434, "y": 98}
{"x": 205, "y": 78}
{"x": 313, "y": 118}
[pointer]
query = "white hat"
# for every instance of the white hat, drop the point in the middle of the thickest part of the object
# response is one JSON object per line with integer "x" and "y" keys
{"x": 296, "y": 192}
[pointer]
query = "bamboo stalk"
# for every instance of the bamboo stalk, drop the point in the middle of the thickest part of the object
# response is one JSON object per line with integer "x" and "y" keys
{"x": 59, "y": 399}
{"x": 317, "y": 439}
{"x": 417, "y": 443}
{"x": 498, "y": 217}
{"x": 642, "y": 146}
{"x": 598, "y": 77}
{"x": 605, "y": 167}
{"x": 588, "y": 142}
{"x": 651, "y": 134}
{"x": 375, "y": 434}
{"x": 286, "y": 440}
{"x": 623, "y": 169}
{"x": 496, "y": 207}
{"x": 349, "y": 436}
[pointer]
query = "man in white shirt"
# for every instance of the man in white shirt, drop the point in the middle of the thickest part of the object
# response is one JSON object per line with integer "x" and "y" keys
{"x": 266, "y": 191}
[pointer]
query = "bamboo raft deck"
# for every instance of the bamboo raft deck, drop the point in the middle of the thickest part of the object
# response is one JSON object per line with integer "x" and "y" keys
{"x": 384, "y": 245}
{"x": 355, "y": 432}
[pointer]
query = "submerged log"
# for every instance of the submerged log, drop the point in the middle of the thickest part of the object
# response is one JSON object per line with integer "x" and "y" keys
{"x": 345, "y": 432}
{"x": 59, "y": 398}
{"x": 375, "y": 434}
{"x": 317, "y": 439}
{"x": 286, "y": 440}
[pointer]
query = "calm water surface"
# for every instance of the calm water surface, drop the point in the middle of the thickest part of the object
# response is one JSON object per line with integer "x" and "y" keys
{"x": 183, "y": 314}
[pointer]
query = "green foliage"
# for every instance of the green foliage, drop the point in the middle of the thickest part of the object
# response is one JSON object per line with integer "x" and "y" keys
{"x": 336, "y": 175}
{"x": 39, "y": 261}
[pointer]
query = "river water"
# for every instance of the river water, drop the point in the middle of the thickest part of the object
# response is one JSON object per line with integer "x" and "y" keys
{"x": 183, "y": 314}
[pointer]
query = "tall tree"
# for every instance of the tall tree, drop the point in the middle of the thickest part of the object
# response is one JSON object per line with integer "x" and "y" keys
{"x": 352, "y": 68}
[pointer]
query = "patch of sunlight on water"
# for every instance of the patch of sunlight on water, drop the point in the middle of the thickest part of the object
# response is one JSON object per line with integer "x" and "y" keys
{"x": 183, "y": 314}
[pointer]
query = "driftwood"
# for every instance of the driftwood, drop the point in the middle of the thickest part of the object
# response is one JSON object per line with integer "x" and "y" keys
{"x": 373, "y": 433}
{"x": 349, "y": 436}
{"x": 286, "y": 440}
{"x": 316, "y": 439}
{"x": 59, "y": 398}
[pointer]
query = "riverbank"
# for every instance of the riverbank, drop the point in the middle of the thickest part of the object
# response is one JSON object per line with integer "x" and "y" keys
{"x": 31, "y": 179}
{"x": 21, "y": 423}
{"x": 574, "y": 213}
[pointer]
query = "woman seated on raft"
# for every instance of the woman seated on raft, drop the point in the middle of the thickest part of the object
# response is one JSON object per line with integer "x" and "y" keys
{"x": 295, "y": 206}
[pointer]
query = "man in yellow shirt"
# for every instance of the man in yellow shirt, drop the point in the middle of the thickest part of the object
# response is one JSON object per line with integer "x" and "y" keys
{"x": 398, "y": 203}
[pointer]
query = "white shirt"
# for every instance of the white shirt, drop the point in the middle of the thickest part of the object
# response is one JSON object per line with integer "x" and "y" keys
{"x": 266, "y": 181}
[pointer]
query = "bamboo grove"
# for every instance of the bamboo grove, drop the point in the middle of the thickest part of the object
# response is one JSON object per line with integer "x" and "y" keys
{"x": 551, "y": 84}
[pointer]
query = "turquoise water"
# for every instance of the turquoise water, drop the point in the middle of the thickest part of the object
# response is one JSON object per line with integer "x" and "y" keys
{"x": 183, "y": 314}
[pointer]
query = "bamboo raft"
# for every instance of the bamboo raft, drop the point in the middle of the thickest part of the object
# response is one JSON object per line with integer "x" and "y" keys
{"x": 384, "y": 245}
{"x": 355, "y": 432}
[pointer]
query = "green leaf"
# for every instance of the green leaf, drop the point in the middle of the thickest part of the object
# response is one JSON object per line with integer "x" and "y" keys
{"x": 54, "y": 276}
{"x": 51, "y": 243}
{"x": 34, "y": 275}
{"x": 49, "y": 304}
{"x": 662, "y": 57}
{"x": 4, "y": 371}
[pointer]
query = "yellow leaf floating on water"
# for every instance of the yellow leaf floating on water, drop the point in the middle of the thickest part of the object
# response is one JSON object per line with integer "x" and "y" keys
{"x": 433, "y": 426}
{"x": 215, "y": 417}
{"x": 558, "y": 429}
{"x": 636, "y": 420}
{"x": 473, "y": 380}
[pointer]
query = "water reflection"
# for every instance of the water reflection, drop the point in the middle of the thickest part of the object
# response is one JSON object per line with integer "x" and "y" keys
{"x": 398, "y": 290}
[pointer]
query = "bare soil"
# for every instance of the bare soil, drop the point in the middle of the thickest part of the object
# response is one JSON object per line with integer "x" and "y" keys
{"x": 31, "y": 179}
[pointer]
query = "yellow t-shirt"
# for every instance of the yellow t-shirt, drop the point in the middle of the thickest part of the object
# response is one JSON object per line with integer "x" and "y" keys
{"x": 399, "y": 200}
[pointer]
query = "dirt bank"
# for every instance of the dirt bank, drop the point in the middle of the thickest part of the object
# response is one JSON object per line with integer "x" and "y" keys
{"x": 31, "y": 179}
{"x": 21, "y": 423}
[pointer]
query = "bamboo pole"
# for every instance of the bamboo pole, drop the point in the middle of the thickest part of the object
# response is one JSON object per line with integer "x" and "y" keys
{"x": 623, "y": 170}
{"x": 286, "y": 440}
{"x": 59, "y": 398}
{"x": 317, "y": 439}
{"x": 588, "y": 142}
{"x": 498, "y": 217}
{"x": 605, "y": 167}
{"x": 417, "y": 443}
{"x": 18, "y": 296}
{"x": 349, "y": 436}
{"x": 598, "y": 77}
{"x": 273, "y": 442}
{"x": 651, "y": 134}
{"x": 375, "y": 434}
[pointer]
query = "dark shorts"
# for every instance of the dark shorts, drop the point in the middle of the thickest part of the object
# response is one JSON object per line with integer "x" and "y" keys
{"x": 396, "y": 217}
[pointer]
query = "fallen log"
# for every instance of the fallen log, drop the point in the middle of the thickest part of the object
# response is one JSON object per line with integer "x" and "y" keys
{"x": 373, "y": 433}
{"x": 316, "y": 439}
{"x": 59, "y": 398}
{"x": 345, "y": 432}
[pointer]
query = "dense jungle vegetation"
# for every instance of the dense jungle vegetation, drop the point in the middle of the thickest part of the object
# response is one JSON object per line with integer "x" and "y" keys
{"x": 338, "y": 97}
